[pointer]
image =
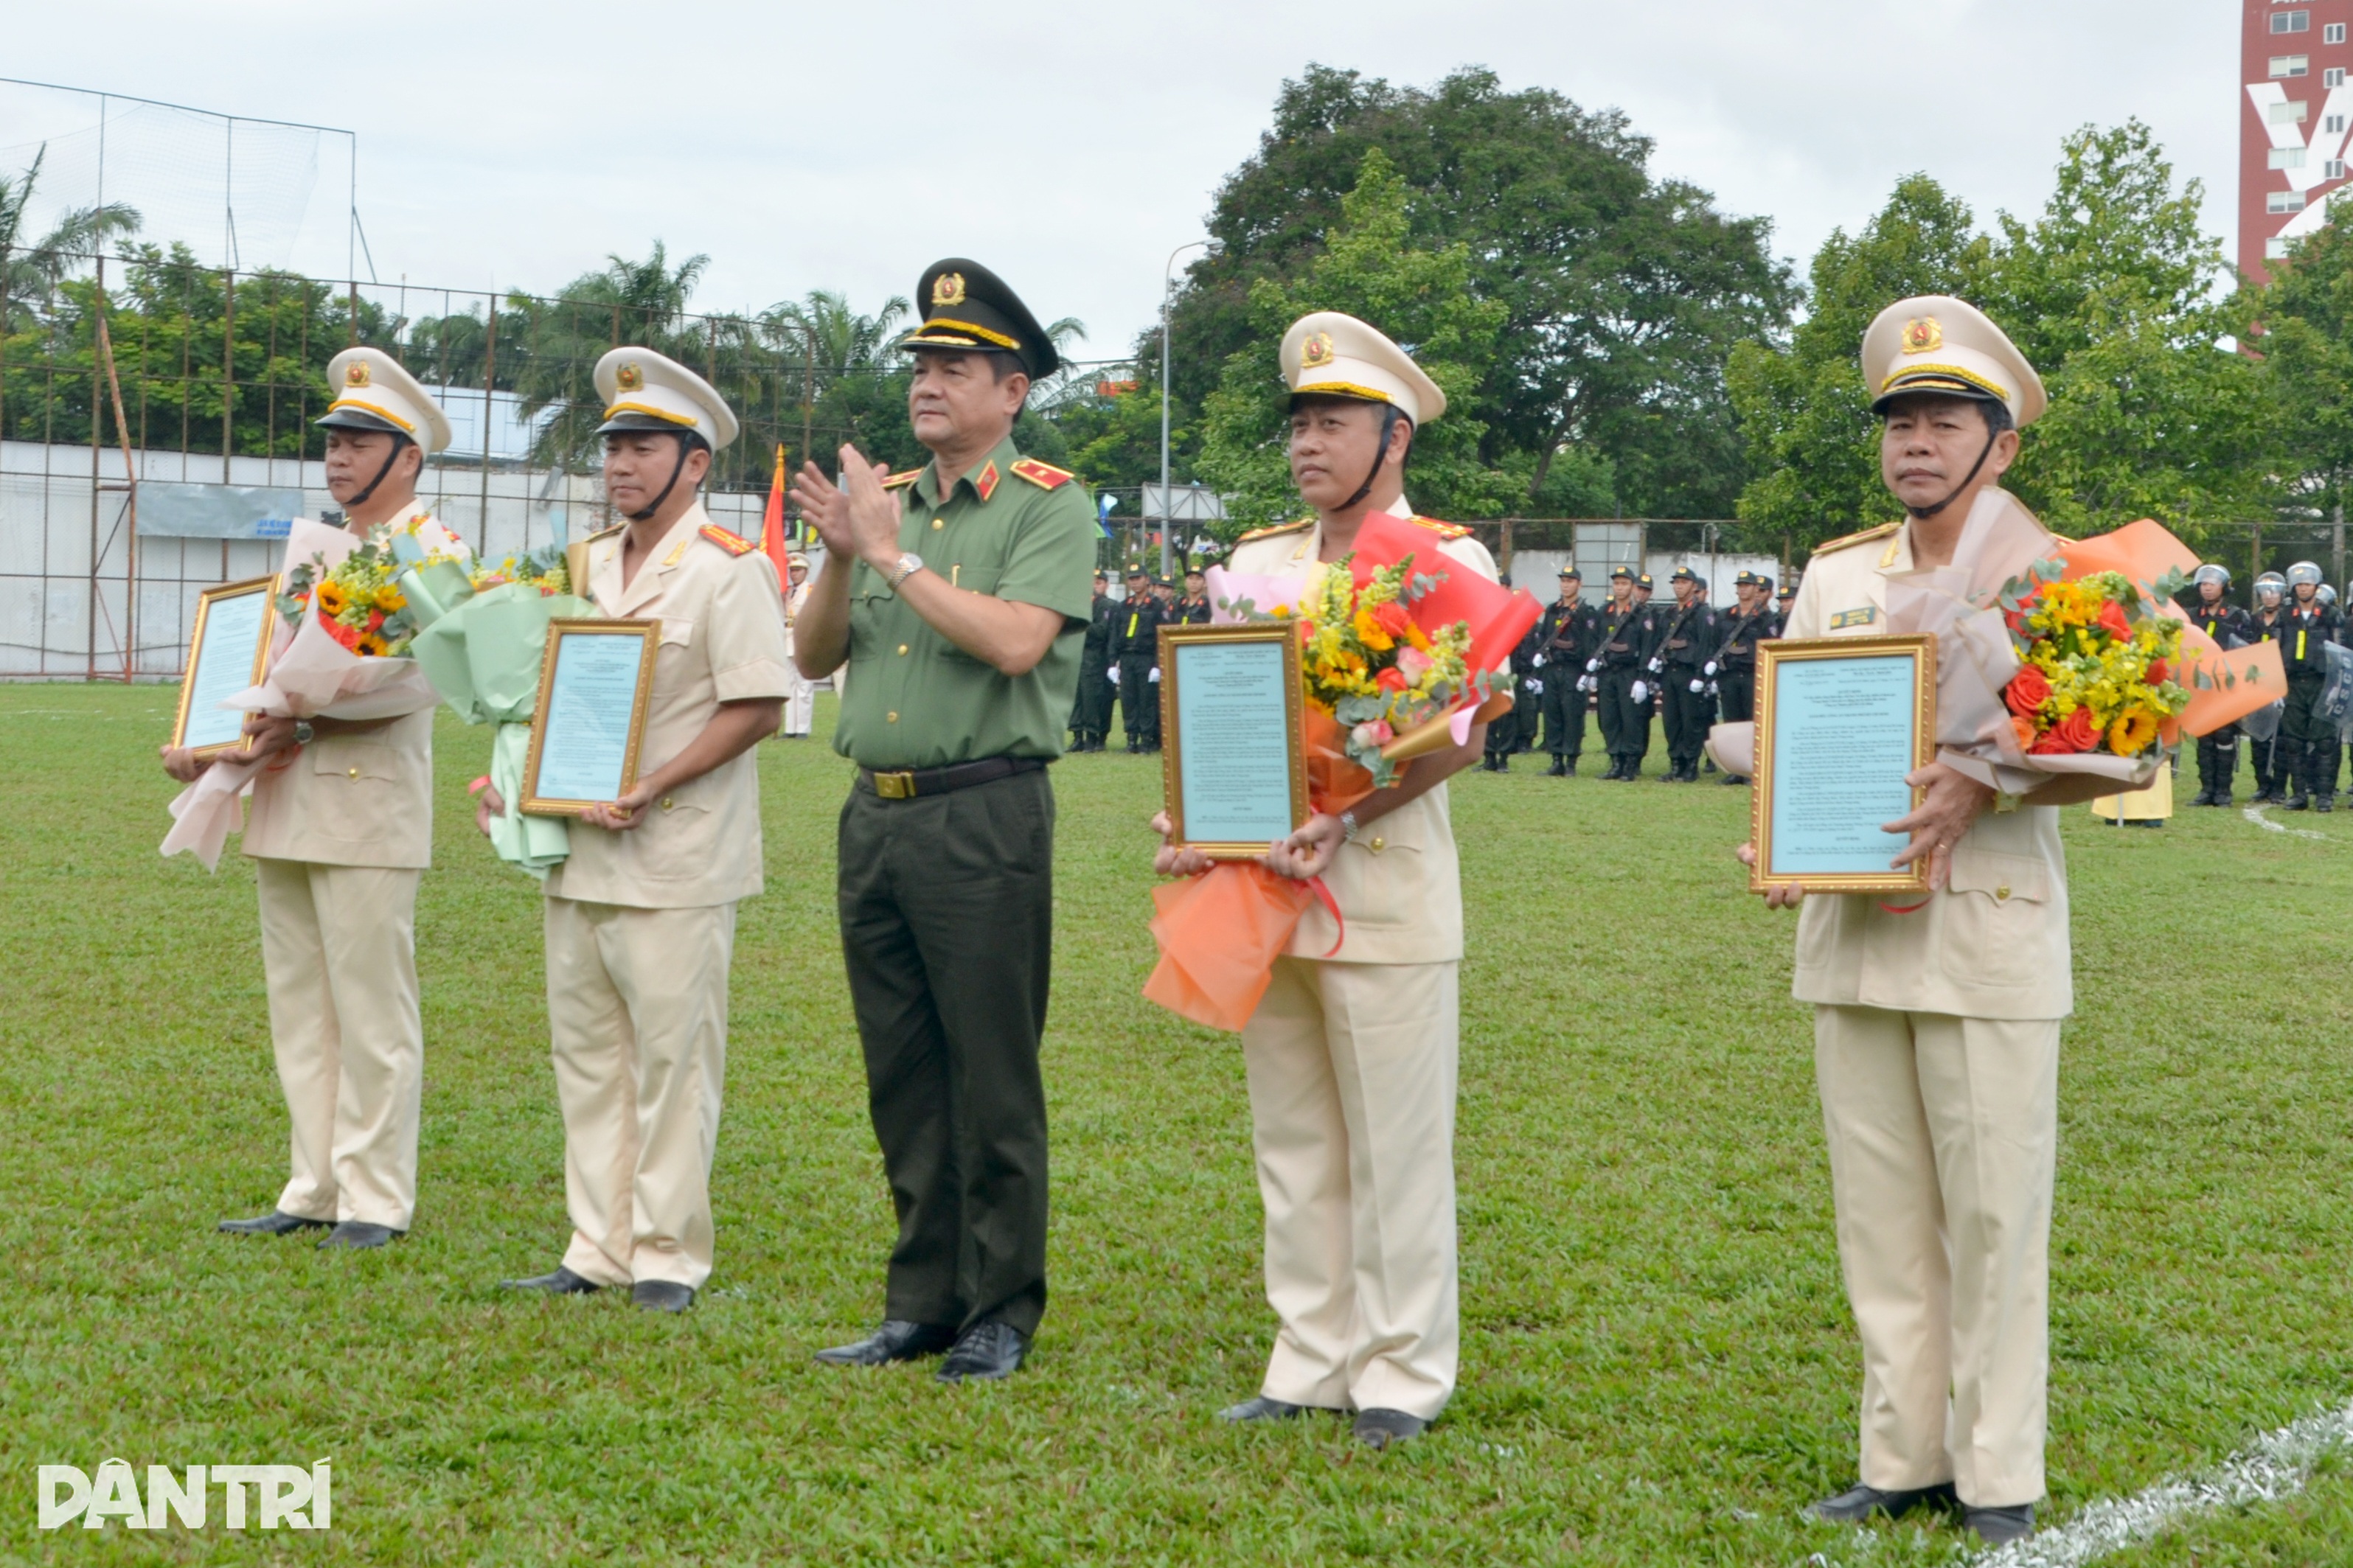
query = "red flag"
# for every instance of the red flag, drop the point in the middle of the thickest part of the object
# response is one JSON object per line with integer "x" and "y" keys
{"x": 772, "y": 543}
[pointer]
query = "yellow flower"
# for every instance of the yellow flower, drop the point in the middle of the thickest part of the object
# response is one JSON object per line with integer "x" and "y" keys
{"x": 2130, "y": 735}
{"x": 373, "y": 646}
{"x": 331, "y": 598}
{"x": 390, "y": 600}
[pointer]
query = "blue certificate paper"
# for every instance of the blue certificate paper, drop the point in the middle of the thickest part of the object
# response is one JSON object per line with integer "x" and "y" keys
{"x": 1842, "y": 726}
{"x": 593, "y": 687}
{"x": 225, "y": 657}
{"x": 1235, "y": 775}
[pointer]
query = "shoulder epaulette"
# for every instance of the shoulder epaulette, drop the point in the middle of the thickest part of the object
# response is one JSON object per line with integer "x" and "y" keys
{"x": 733, "y": 543}
{"x": 604, "y": 533}
{"x": 1865, "y": 537}
{"x": 901, "y": 481}
{"x": 1278, "y": 528}
{"x": 1443, "y": 530}
{"x": 1045, "y": 476}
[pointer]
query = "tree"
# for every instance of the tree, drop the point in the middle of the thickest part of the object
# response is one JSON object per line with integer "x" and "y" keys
{"x": 1372, "y": 268}
{"x": 1621, "y": 294}
{"x": 30, "y": 272}
{"x": 2307, "y": 349}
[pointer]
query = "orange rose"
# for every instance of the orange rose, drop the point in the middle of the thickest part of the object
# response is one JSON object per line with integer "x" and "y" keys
{"x": 2075, "y": 733}
{"x": 2027, "y": 690}
{"x": 1392, "y": 618}
{"x": 1391, "y": 678}
{"x": 2113, "y": 622}
{"x": 2157, "y": 672}
{"x": 2023, "y": 728}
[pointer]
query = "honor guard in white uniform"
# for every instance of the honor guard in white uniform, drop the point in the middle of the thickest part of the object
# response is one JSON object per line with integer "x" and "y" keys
{"x": 640, "y": 917}
{"x": 1936, "y": 1021}
{"x": 340, "y": 829}
{"x": 1352, "y": 1054}
{"x": 800, "y": 702}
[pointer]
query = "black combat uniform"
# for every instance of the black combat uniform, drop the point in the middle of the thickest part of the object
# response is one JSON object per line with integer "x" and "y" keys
{"x": 1565, "y": 641}
{"x": 2218, "y": 751}
{"x": 1622, "y": 650}
{"x": 1135, "y": 644}
{"x": 1509, "y": 732}
{"x": 2308, "y": 739}
{"x": 1686, "y": 647}
{"x": 1189, "y": 613}
{"x": 1091, "y": 714}
{"x": 1735, "y": 659}
{"x": 2270, "y": 758}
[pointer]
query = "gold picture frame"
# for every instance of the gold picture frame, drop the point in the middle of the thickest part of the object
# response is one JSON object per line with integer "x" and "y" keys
{"x": 207, "y": 676}
{"x": 1844, "y": 746}
{"x": 583, "y": 696}
{"x": 1238, "y": 697}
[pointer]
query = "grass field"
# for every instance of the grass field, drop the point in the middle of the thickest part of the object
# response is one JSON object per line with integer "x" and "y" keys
{"x": 1658, "y": 1364}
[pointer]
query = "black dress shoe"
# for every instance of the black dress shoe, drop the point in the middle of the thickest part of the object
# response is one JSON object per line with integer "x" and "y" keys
{"x": 563, "y": 1282}
{"x": 1859, "y": 1503}
{"x": 358, "y": 1234}
{"x": 896, "y": 1339}
{"x": 1265, "y": 1409}
{"x": 985, "y": 1353}
{"x": 1994, "y": 1526}
{"x": 276, "y": 1222}
{"x": 1380, "y": 1428}
{"x": 661, "y": 1295}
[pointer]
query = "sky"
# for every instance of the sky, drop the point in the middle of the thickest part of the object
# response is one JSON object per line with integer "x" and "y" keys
{"x": 1070, "y": 147}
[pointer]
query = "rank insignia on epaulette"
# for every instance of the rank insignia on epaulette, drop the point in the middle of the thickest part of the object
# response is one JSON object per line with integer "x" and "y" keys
{"x": 1045, "y": 476}
{"x": 1443, "y": 530}
{"x": 605, "y": 533}
{"x": 986, "y": 483}
{"x": 901, "y": 481}
{"x": 1278, "y": 528}
{"x": 733, "y": 543}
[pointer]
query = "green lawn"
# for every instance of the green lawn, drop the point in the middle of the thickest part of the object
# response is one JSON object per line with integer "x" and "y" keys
{"x": 1658, "y": 1364}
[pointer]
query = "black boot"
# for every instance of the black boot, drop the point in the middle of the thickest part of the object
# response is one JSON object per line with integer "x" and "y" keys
{"x": 2325, "y": 803}
{"x": 2203, "y": 798}
{"x": 2299, "y": 802}
{"x": 1559, "y": 769}
{"x": 1570, "y": 771}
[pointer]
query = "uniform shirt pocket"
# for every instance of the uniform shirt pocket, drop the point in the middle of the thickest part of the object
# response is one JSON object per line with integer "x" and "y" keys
{"x": 677, "y": 631}
{"x": 1999, "y": 909}
{"x": 355, "y": 760}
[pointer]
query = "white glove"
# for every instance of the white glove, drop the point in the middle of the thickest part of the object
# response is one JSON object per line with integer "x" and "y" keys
{"x": 1539, "y": 663}
{"x": 1593, "y": 665}
{"x": 1641, "y": 693}
{"x": 1589, "y": 684}
{"x": 1156, "y": 674}
{"x": 1112, "y": 675}
{"x": 1658, "y": 667}
{"x": 1535, "y": 688}
{"x": 1698, "y": 685}
{"x": 1711, "y": 667}
{"x": 1711, "y": 688}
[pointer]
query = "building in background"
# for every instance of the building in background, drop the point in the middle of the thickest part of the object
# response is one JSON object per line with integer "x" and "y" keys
{"x": 2291, "y": 145}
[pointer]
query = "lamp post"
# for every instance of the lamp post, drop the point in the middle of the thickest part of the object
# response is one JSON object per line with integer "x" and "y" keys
{"x": 1167, "y": 506}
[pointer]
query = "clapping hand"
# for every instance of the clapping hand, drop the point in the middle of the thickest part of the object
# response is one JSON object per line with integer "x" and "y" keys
{"x": 857, "y": 518}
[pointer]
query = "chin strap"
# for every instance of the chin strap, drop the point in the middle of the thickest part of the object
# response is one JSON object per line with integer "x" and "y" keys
{"x": 654, "y": 505}
{"x": 361, "y": 498}
{"x": 1389, "y": 418}
{"x": 1926, "y": 513}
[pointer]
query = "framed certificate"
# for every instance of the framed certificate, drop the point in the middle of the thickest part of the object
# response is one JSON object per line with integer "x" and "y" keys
{"x": 595, "y": 681}
{"x": 1232, "y": 765}
{"x": 1840, "y": 723}
{"x": 229, "y": 651}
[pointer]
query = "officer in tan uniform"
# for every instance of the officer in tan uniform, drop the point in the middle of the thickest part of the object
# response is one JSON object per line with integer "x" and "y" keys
{"x": 341, "y": 828}
{"x": 1352, "y": 1055}
{"x": 800, "y": 702}
{"x": 640, "y": 917}
{"x": 1937, "y": 1027}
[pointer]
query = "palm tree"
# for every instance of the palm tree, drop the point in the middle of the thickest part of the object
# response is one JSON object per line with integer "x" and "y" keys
{"x": 30, "y": 272}
{"x": 820, "y": 331}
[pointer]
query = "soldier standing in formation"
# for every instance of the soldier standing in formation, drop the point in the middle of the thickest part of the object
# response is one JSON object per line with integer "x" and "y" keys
{"x": 2308, "y": 739}
{"x": 1135, "y": 656}
{"x": 1686, "y": 647}
{"x": 1193, "y": 609}
{"x": 2209, "y": 612}
{"x": 1622, "y": 647}
{"x": 801, "y": 704}
{"x": 945, "y": 885}
{"x": 640, "y": 916}
{"x": 340, "y": 835}
{"x": 2262, "y": 625}
{"x": 1564, "y": 642}
{"x": 1090, "y": 710}
{"x": 1750, "y": 621}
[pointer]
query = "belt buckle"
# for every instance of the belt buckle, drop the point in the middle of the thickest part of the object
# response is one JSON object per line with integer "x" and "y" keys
{"x": 895, "y": 787}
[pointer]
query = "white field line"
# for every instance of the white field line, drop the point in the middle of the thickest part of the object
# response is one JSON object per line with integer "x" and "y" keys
{"x": 2275, "y": 1466}
{"x": 2254, "y": 814}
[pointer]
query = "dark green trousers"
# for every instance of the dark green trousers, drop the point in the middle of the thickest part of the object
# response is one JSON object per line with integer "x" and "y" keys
{"x": 947, "y": 924}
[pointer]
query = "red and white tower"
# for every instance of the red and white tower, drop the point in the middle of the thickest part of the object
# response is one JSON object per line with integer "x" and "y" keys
{"x": 2294, "y": 57}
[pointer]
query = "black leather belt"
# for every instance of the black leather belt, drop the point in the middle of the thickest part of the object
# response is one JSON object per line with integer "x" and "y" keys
{"x": 911, "y": 784}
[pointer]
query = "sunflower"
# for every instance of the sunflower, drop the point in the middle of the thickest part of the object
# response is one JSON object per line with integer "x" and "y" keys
{"x": 390, "y": 599}
{"x": 2131, "y": 733}
{"x": 331, "y": 598}
{"x": 371, "y": 646}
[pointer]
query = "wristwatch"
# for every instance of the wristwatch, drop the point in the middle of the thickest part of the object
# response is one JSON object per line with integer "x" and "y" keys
{"x": 909, "y": 564}
{"x": 303, "y": 731}
{"x": 1348, "y": 825}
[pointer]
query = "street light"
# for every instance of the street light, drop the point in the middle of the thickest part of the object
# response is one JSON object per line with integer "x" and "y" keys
{"x": 1168, "y": 507}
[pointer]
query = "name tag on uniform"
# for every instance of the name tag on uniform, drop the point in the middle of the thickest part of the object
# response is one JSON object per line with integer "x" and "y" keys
{"x": 1862, "y": 617}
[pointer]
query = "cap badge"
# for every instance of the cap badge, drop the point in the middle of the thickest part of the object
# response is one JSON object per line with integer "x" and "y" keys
{"x": 630, "y": 377}
{"x": 1923, "y": 335}
{"x": 947, "y": 289}
{"x": 356, "y": 373}
{"x": 1318, "y": 350}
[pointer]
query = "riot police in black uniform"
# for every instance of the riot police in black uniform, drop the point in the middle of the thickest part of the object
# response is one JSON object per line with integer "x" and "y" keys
{"x": 1510, "y": 732}
{"x": 2262, "y": 625}
{"x": 1686, "y": 645}
{"x": 2211, "y": 613}
{"x": 1750, "y": 621}
{"x": 1619, "y": 669}
{"x": 1564, "y": 642}
{"x": 2310, "y": 741}
{"x": 1136, "y": 646}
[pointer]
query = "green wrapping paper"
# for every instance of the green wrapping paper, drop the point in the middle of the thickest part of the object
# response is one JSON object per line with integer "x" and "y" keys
{"x": 483, "y": 656}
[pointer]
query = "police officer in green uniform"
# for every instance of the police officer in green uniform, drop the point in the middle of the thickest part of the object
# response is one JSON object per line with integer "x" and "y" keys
{"x": 1686, "y": 644}
{"x": 1091, "y": 713}
{"x": 960, "y": 604}
{"x": 2211, "y": 613}
{"x": 1564, "y": 637}
{"x": 1622, "y": 650}
{"x": 1135, "y": 659}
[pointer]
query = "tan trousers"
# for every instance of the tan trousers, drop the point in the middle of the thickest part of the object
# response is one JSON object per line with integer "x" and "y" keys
{"x": 1352, "y": 1073}
{"x": 800, "y": 702}
{"x": 1943, "y": 1138}
{"x": 339, "y": 951}
{"x": 637, "y": 1003}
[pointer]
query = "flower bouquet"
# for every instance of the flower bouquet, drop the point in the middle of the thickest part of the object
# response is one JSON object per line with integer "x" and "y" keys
{"x": 2097, "y": 665}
